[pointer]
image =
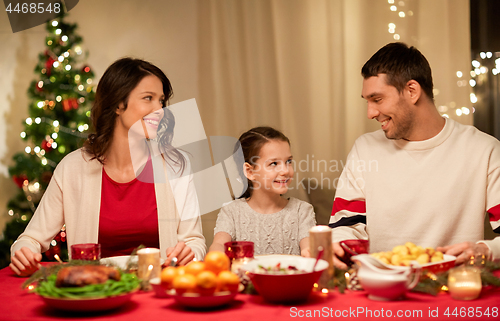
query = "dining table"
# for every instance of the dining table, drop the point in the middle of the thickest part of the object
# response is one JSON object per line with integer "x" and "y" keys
{"x": 17, "y": 303}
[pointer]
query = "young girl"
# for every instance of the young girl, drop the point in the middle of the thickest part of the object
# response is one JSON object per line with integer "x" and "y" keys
{"x": 275, "y": 224}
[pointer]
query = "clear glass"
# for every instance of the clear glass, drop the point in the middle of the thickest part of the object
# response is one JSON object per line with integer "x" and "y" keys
{"x": 464, "y": 283}
{"x": 86, "y": 251}
{"x": 239, "y": 253}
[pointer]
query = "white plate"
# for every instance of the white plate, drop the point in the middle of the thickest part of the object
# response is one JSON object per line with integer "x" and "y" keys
{"x": 434, "y": 267}
{"x": 121, "y": 261}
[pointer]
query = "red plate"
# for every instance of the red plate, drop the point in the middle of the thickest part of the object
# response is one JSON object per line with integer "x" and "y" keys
{"x": 205, "y": 301}
{"x": 88, "y": 305}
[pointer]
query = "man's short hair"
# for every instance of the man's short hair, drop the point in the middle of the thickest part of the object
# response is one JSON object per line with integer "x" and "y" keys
{"x": 401, "y": 64}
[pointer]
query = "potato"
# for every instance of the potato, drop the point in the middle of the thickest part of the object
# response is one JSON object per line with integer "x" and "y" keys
{"x": 423, "y": 258}
{"x": 417, "y": 251}
{"x": 396, "y": 259}
{"x": 406, "y": 262}
{"x": 410, "y": 245}
{"x": 401, "y": 249}
{"x": 386, "y": 261}
{"x": 402, "y": 255}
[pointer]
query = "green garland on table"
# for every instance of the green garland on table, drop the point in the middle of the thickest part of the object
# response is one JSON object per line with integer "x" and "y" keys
{"x": 433, "y": 283}
{"x": 430, "y": 284}
{"x": 339, "y": 280}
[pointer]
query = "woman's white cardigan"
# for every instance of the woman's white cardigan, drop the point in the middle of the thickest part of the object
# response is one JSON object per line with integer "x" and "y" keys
{"x": 73, "y": 197}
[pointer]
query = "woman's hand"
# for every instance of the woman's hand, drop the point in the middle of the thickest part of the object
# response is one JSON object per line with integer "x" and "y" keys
{"x": 182, "y": 252}
{"x": 24, "y": 262}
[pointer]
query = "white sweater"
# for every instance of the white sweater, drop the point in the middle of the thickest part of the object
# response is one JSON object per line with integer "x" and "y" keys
{"x": 432, "y": 193}
{"x": 73, "y": 197}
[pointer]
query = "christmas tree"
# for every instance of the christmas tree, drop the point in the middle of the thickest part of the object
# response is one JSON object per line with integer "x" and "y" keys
{"x": 59, "y": 110}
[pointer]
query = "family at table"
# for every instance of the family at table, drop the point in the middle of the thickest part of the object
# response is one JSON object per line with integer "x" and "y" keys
{"x": 433, "y": 183}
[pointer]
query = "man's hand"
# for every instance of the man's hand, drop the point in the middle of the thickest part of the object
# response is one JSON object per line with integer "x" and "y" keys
{"x": 24, "y": 262}
{"x": 182, "y": 252}
{"x": 338, "y": 252}
{"x": 464, "y": 251}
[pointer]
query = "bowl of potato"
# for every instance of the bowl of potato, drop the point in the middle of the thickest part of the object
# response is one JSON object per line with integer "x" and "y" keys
{"x": 428, "y": 258}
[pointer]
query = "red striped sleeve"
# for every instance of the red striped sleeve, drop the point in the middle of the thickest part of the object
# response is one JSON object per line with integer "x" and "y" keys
{"x": 340, "y": 204}
{"x": 493, "y": 212}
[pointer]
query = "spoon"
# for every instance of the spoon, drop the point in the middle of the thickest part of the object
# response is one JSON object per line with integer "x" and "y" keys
{"x": 318, "y": 257}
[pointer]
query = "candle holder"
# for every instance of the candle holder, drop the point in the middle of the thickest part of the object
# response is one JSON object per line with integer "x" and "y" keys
{"x": 86, "y": 251}
{"x": 478, "y": 256}
{"x": 321, "y": 236}
{"x": 149, "y": 266}
{"x": 239, "y": 253}
{"x": 464, "y": 282}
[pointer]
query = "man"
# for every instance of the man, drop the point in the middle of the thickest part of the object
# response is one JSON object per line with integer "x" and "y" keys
{"x": 422, "y": 178}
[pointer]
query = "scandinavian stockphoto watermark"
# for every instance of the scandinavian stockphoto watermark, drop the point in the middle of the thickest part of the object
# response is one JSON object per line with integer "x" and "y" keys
{"x": 216, "y": 163}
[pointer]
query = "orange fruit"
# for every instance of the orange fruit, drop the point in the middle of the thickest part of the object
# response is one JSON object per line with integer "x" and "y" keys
{"x": 227, "y": 281}
{"x": 206, "y": 282}
{"x": 167, "y": 276}
{"x": 185, "y": 283}
{"x": 216, "y": 262}
{"x": 195, "y": 267}
{"x": 181, "y": 270}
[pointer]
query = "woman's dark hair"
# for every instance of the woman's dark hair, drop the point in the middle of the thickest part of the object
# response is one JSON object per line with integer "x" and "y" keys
{"x": 113, "y": 89}
{"x": 401, "y": 64}
{"x": 251, "y": 143}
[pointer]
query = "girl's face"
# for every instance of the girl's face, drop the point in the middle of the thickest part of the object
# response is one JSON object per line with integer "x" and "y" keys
{"x": 144, "y": 109}
{"x": 272, "y": 170}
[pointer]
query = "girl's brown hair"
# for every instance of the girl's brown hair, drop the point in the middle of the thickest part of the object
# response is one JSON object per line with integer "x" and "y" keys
{"x": 251, "y": 143}
{"x": 113, "y": 89}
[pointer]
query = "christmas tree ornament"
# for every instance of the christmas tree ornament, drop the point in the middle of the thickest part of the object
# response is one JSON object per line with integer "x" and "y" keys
{"x": 46, "y": 146}
{"x": 19, "y": 179}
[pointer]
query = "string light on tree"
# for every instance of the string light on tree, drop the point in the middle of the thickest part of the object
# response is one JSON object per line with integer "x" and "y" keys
{"x": 60, "y": 98}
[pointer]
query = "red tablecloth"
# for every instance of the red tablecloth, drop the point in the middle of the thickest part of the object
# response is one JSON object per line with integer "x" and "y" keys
{"x": 17, "y": 304}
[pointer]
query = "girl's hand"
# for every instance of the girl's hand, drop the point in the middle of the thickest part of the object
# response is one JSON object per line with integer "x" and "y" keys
{"x": 338, "y": 251}
{"x": 24, "y": 262}
{"x": 305, "y": 253}
{"x": 182, "y": 252}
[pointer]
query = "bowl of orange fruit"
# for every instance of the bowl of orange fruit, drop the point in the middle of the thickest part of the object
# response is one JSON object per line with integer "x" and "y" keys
{"x": 199, "y": 284}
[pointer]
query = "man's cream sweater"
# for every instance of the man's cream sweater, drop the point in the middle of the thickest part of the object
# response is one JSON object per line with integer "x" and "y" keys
{"x": 432, "y": 193}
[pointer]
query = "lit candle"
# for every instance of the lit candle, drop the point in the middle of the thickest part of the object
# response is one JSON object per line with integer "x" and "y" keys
{"x": 464, "y": 283}
{"x": 148, "y": 265}
{"x": 321, "y": 236}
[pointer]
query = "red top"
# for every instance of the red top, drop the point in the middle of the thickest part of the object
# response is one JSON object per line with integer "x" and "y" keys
{"x": 128, "y": 216}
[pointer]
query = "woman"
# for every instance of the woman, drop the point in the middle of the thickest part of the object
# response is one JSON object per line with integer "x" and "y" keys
{"x": 104, "y": 192}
